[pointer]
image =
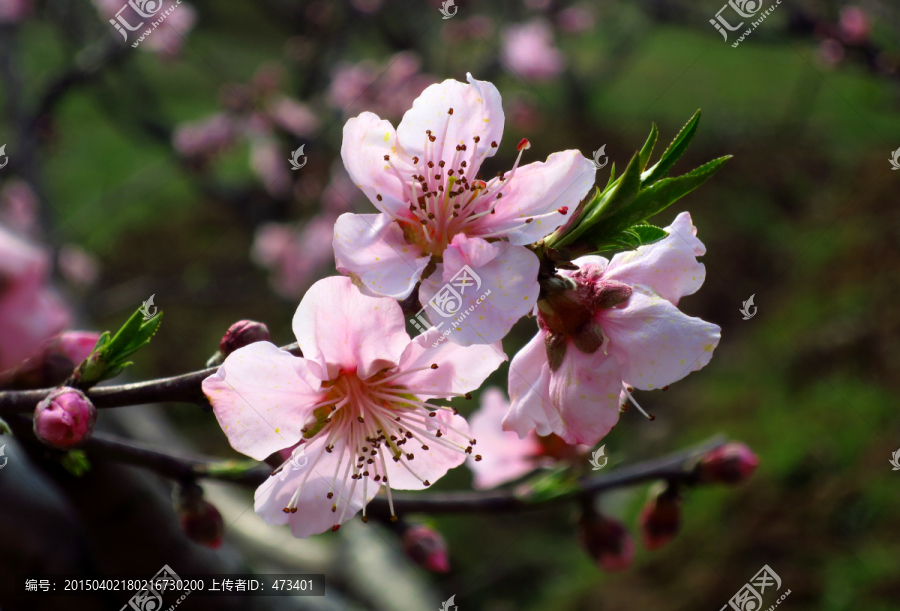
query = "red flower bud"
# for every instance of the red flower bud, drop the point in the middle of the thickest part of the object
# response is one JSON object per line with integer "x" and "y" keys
{"x": 731, "y": 463}
{"x": 64, "y": 419}
{"x": 243, "y": 333}
{"x": 660, "y": 519}
{"x": 54, "y": 363}
{"x": 426, "y": 548}
{"x": 199, "y": 519}
{"x": 607, "y": 542}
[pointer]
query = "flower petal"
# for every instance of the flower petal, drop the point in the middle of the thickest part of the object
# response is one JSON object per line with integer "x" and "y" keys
{"x": 505, "y": 457}
{"x": 477, "y": 111}
{"x": 529, "y": 392}
{"x": 314, "y": 513}
{"x": 537, "y": 189}
{"x": 260, "y": 396}
{"x": 460, "y": 369}
{"x": 586, "y": 390}
{"x": 506, "y": 289}
{"x": 655, "y": 342}
{"x": 432, "y": 464}
{"x": 343, "y": 330}
{"x": 371, "y": 249}
{"x": 367, "y": 139}
{"x": 669, "y": 267}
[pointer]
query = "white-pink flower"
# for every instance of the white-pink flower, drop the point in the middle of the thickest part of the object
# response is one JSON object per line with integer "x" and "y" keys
{"x": 434, "y": 207}
{"x": 360, "y": 401}
{"x": 509, "y": 457}
{"x": 617, "y": 329}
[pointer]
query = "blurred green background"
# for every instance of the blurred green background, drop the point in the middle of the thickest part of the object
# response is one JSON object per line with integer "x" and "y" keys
{"x": 804, "y": 217}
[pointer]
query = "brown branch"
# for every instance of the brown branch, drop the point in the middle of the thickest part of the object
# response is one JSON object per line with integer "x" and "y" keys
{"x": 678, "y": 466}
{"x": 179, "y": 389}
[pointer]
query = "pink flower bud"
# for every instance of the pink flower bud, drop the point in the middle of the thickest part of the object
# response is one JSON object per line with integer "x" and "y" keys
{"x": 731, "y": 463}
{"x": 243, "y": 333}
{"x": 660, "y": 520}
{"x": 64, "y": 419}
{"x": 426, "y": 548}
{"x": 202, "y": 523}
{"x": 606, "y": 541}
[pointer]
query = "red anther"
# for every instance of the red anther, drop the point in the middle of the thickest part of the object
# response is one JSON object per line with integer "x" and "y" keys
{"x": 523, "y": 145}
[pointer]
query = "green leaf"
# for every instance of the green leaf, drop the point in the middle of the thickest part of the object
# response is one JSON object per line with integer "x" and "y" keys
{"x": 658, "y": 197}
{"x": 124, "y": 336}
{"x": 647, "y": 149}
{"x": 142, "y": 337}
{"x": 611, "y": 201}
{"x": 546, "y": 486}
{"x": 612, "y": 176}
{"x": 676, "y": 149}
{"x": 633, "y": 237}
{"x": 76, "y": 462}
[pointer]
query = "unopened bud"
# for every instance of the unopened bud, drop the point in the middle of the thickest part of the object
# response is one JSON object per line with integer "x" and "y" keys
{"x": 54, "y": 363}
{"x": 426, "y": 548}
{"x": 199, "y": 519}
{"x": 607, "y": 541}
{"x": 731, "y": 463}
{"x": 64, "y": 419}
{"x": 660, "y": 519}
{"x": 243, "y": 333}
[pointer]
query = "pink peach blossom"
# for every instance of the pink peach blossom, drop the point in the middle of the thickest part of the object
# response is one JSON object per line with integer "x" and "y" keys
{"x": 509, "y": 457}
{"x": 206, "y": 136}
{"x": 18, "y": 206}
{"x": 30, "y": 312}
{"x": 423, "y": 178}
{"x": 13, "y": 11}
{"x": 360, "y": 393}
{"x": 168, "y": 39}
{"x": 618, "y": 328}
{"x": 528, "y": 51}
{"x": 386, "y": 89}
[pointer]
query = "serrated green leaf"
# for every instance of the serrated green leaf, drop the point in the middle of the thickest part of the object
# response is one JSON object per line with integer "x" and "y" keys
{"x": 611, "y": 201}
{"x": 673, "y": 153}
{"x": 658, "y": 197}
{"x": 647, "y": 149}
{"x": 124, "y": 336}
{"x": 142, "y": 338}
{"x": 612, "y": 177}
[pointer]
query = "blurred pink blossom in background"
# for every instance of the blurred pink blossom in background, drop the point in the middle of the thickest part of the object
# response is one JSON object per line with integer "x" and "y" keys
{"x": 30, "y": 312}
{"x": 386, "y": 90}
{"x": 529, "y": 52}
{"x": 578, "y": 18}
{"x": 18, "y": 206}
{"x": 77, "y": 265}
{"x": 12, "y": 11}
{"x": 169, "y": 37}
{"x": 854, "y": 25}
{"x": 206, "y": 136}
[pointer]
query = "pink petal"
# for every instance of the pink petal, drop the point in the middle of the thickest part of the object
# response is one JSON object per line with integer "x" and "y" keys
{"x": 432, "y": 464}
{"x": 538, "y": 189}
{"x": 529, "y": 392}
{"x": 370, "y": 248}
{"x": 511, "y": 279}
{"x": 655, "y": 342}
{"x": 477, "y": 111}
{"x": 367, "y": 139}
{"x": 261, "y": 397}
{"x": 586, "y": 389}
{"x": 460, "y": 369}
{"x": 505, "y": 457}
{"x": 314, "y": 514}
{"x": 343, "y": 330}
{"x": 463, "y": 250}
{"x": 669, "y": 267}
